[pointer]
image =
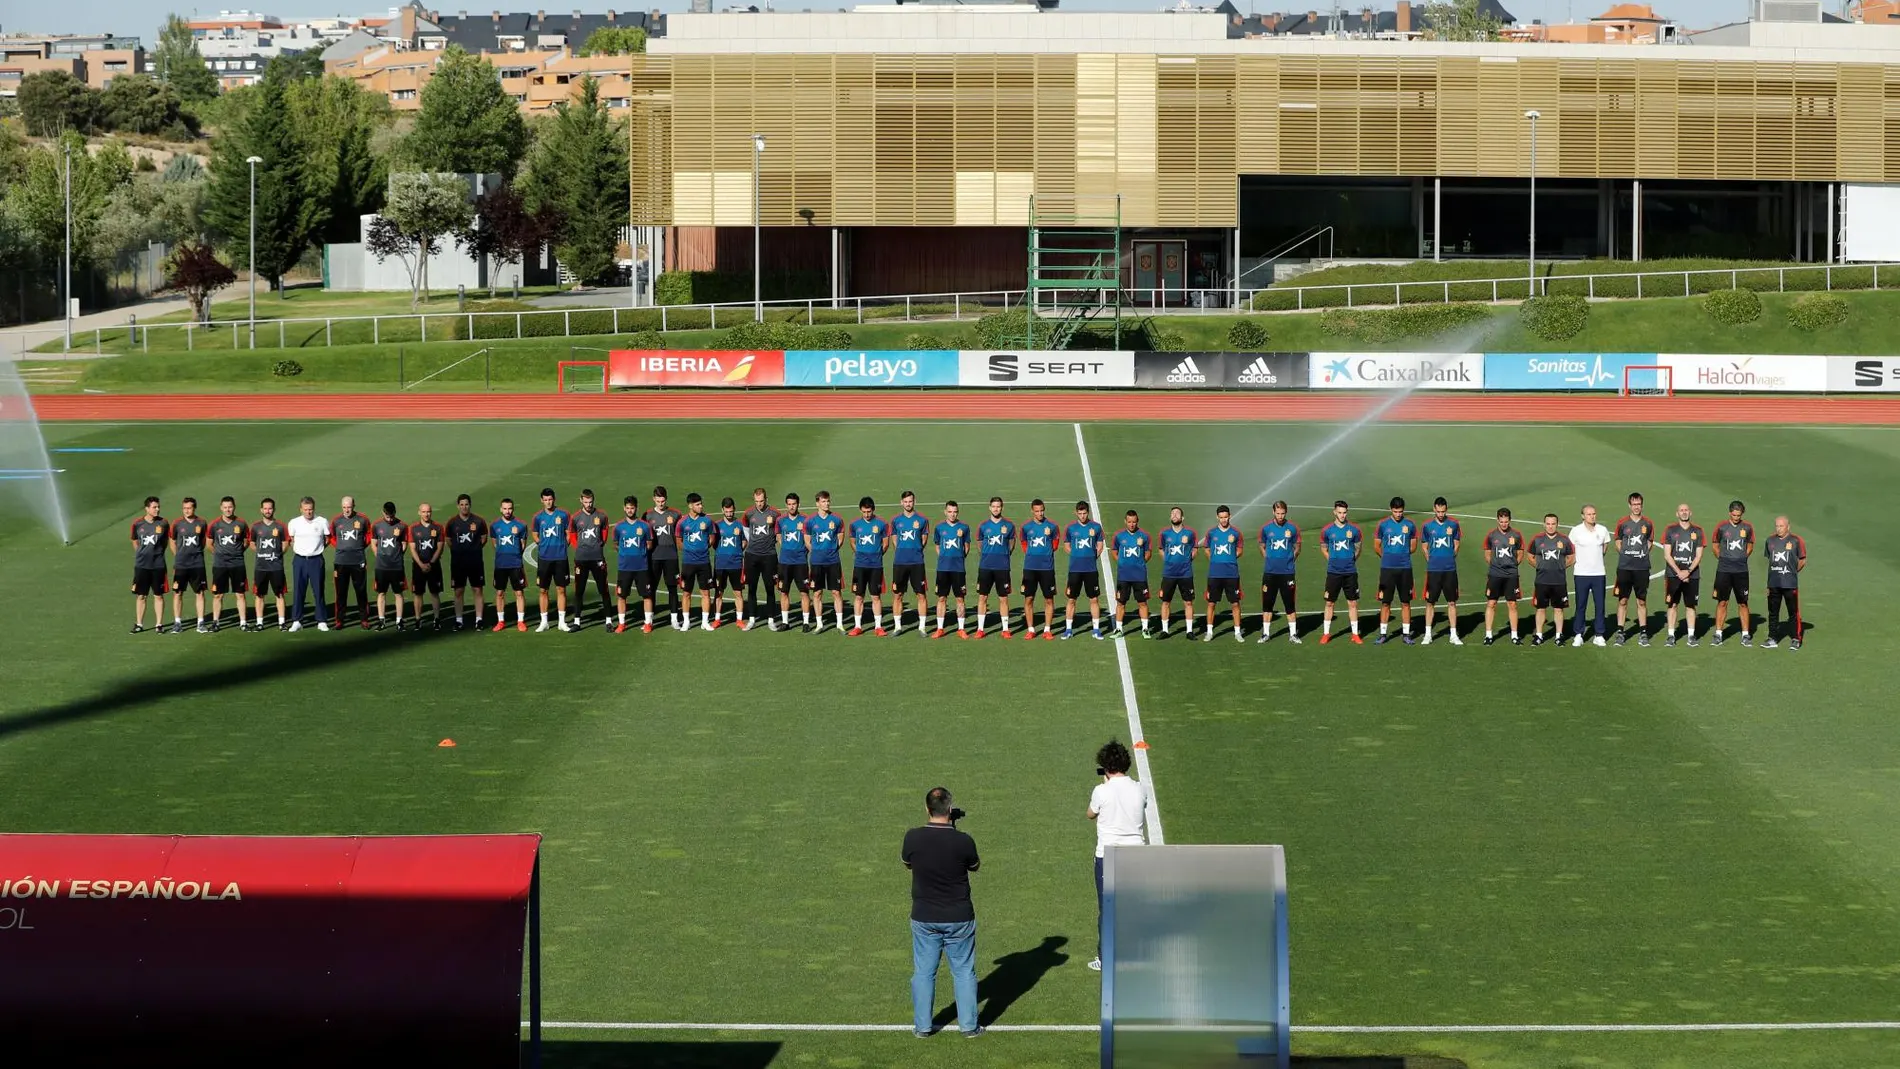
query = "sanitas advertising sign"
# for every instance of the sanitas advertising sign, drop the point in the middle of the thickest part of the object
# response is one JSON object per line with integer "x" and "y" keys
{"x": 1044, "y": 369}
{"x": 1396, "y": 371}
{"x": 681, "y": 367}
{"x": 1745, "y": 374}
{"x": 1863, "y": 374}
{"x": 935, "y": 367}
{"x": 1560, "y": 371}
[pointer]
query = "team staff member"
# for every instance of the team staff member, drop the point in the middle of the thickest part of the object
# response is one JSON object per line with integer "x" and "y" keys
{"x": 1588, "y": 540}
{"x": 1178, "y": 543}
{"x": 1635, "y": 536}
{"x": 666, "y": 555}
{"x": 229, "y": 534}
{"x": 309, "y": 534}
{"x": 996, "y": 537}
{"x": 392, "y": 549}
{"x": 1132, "y": 548}
{"x": 425, "y": 552}
{"x": 1279, "y": 550}
{"x": 870, "y": 539}
{"x": 942, "y": 919}
{"x": 1343, "y": 542}
{"x": 761, "y": 560}
{"x": 149, "y": 534}
{"x": 511, "y": 537}
{"x": 1787, "y": 554}
{"x": 587, "y": 533}
{"x": 349, "y": 534}
{"x": 910, "y": 531}
{"x": 551, "y": 529}
{"x": 1441, "y": 535}
{"x": 694, "y": 536}
{"x": 1085, "y": 541}
{"x": 729, "y": 563}
{"x": 794, "y": 564}
{"x": 1734, "y": 542}
{"x": 1398, "y": 540}
{"x": 188, "y": 563}
{"x": 1503, "y": 552}
{"x": 1684, "y": 543}
{"x": 824, "y": 533}
{"x": 1554, "y": 555}
{"x": 466, "y": 533}
{"x": 952, "y": 539}
{"x": 1224, "y": 545}
{"x": 633, "y": 548}
{"x": 1119, "y": 807}
{"x": 1041, "y": 538}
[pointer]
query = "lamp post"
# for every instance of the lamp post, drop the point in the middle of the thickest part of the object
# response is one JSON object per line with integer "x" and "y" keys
{"x": 253, "y": 161}
{"x": 66, "y": 313}
{"x": 1532, "y": 290}
{"x": 758, "y": 305}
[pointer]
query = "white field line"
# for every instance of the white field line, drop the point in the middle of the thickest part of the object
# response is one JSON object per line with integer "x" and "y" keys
{"x": 916, "y": 421}
{"x": 1340, "y": 1029}
{"x": 1135, "y": 737}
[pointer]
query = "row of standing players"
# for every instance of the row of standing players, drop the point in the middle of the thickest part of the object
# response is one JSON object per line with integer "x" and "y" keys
{"x": 797, "y": 555}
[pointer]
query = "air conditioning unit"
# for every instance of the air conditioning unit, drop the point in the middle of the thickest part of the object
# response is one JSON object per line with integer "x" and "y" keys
{"x": 1787, "y": 10}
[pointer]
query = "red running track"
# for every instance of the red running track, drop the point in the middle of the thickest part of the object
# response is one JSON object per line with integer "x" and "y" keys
{"x": 1230, "y": 407}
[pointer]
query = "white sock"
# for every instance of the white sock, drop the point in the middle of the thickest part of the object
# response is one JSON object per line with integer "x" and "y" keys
{"x": 1691, "y": 627}
{"x": 544, "y": 615}
{"x": 940, "y": 620}
{"x": 877, "y": 618}
{"x": 649, "y": 619}
{"x": 1382, "y": 628}
{"x": 1405, "y": 628}
{"x": 1355, "y": 625}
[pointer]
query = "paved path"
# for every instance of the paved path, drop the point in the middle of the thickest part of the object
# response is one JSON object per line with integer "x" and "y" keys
{"x": 16, "y": 341}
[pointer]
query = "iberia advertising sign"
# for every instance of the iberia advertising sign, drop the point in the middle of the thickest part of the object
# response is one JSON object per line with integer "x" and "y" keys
{"x": 695, "y": 367}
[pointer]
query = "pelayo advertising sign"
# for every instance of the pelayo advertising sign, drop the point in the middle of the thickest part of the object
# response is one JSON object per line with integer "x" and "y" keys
{"x": 1220, "y": 371}
{"x": 1045, "y": 369}
{"x": 871, "y": 368}
{"x": 1395, "y": 371}
{"x": 1560, "y": 371}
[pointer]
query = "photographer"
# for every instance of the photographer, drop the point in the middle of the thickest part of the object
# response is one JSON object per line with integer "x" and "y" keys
{"x": 942, "y": 919}
{"x": 1119, "y": 808}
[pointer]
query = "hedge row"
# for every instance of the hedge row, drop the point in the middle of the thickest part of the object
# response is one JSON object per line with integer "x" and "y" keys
{"x": 1802, "y": 278}
{"x": 1379, "y": 325}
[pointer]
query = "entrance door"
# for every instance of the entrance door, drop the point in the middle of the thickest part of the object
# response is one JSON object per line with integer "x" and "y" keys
{"x": 1160, "y": 272}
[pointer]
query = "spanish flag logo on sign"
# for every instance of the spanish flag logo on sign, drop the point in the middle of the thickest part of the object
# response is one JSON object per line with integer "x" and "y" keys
{"x": 742, "y": 370}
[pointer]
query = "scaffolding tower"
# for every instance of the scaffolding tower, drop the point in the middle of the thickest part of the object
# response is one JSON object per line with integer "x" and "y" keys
{"x": 1075, "y": 265}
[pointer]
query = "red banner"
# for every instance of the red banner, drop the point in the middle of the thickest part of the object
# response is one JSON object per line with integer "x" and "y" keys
{"x": 684, "y": 367}
{"x": 276, "y": 950}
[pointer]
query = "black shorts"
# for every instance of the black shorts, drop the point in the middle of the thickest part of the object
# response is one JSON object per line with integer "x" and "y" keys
{"x": 732, "y": 579}
{"x": 466, "y": 572}
{"x": 1395, "y": 584}
{"x": 794, "y": 578}
{"x": 1632, "y": 583}
{"x": 426, "y": 582}
{"x": 827, "y": 576}
{"x": 1127, "y": 590}
{"x": 1172, "y": 588}
{"x": 992, "y": 581}
{"x": 1500, "y": 588}
{"x": 666, "y": 573}
{"x": 696, "y": 577}
{"x": 867, "y": 581}
{"x": 265, "y": 583}
{"x": 635, "y": 580}
{"x": 389, "y": 581}
{"x": 1276, "y": 585}
{"x": 1223, "y": 587}
{"x": 512, "y": 578}
{"x": 1338, "y": 583}
{"x": 907, "y": 579}
{"x": 1085, "y": 584}
{"x": 1678, "y": 591}
{"x": 189, "y": 579}
{"x": 148, "y": 581}
{"x": 1441, "y": 586}
{"x": 1550, "y": 596}
{"x": 228, "y": 580}
{"x": 1731, "y": 584}
{"x": 952, "y": 584}
{"x": 765, "y": 568}
{"x": 1039, "y": 581}
{"x": 552, "y": 573}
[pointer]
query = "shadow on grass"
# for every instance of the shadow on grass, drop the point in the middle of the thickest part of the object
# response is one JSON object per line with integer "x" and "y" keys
{"x": 639, "y": 1054}
{"x": 1012, "y": 978}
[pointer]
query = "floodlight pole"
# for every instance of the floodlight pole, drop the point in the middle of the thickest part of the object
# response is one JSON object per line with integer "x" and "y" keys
{"x": 253, "y": 161}
{"x": 1533, "y": 117}
{"x": 66, "y": 311}
{"x": 758, "y": 305}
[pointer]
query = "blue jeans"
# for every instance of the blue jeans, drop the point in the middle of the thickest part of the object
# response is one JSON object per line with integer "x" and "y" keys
{"x": 957, "y": 941}
{"x": 1589, "y": 586}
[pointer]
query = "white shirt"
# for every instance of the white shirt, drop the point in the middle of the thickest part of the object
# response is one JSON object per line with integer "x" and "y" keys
{"x": 1589, "y": 540}
{"x": 1121, "y": 808}
{"x": 307, "y": 537}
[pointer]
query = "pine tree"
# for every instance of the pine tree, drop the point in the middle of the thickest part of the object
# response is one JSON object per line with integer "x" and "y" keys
{"x": 579, "y": 170}
{"x": 288, "y": 216}
{"x": 177, "y": 62}
{"x": 466, "y": 124}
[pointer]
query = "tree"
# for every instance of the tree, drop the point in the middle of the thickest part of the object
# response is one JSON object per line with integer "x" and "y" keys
{"x": 1461, "y": 20}
{"x": 615, "y": 41}
{"x": 54, "y": 101}
{"x": 579, "y": 170}
{"x": 422, "y": 209}
{"x": 40, "y": 200}
{"x": 137, "y": 104}
{"x": 338, "y": 121}
{"x": 178, "y": 63}
{"x": 288, "y": 216}
{"x": 466, "y": 124}
{"x": 195, "y": 270}
{"x": 507, "y": 230}
{"x": 299, "y": 66}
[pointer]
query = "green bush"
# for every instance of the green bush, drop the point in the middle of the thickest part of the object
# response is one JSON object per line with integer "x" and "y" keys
{"x": 645, "y": 339}
{"x": 1157, "y": 337}
{"x": 1733, "y": 306}
{"x": 922, "y": 341}
{"x": 1007, "y": 330}
{"x": 781, "y": 335}
{"x": 1379, "y": 325}
{"x": 286, "y": 369}
{"x": 1246, "y": 336}
{"x": 1817, "y": 311}
{"x": 726, "y": 287}
{"x": 1556, "y": 317}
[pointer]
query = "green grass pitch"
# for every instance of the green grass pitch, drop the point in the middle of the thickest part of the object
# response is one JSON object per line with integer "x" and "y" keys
{"x": 1474, "y": 836}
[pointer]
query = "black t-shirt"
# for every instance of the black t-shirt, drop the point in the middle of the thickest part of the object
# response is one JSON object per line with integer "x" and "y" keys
{"x": 940, "y": 859}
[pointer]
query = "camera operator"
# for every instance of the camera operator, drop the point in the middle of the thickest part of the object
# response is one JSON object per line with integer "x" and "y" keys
{"x": 942, "y": 919}
{"x": 1119, "y": 808}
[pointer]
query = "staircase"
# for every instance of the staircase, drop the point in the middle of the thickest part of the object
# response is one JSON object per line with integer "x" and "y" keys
{"x": 1075, "y": 266}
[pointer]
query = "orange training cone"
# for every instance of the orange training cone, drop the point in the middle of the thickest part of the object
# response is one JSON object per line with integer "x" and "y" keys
{"x": 1142, "y": 745}
{"x": 445, "y": 744}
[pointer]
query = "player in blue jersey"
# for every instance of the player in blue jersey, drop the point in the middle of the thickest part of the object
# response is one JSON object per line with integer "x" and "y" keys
{"x": 794, "y": 564}
{"x": 510, "y": 536}
{"x": 694, "y": 536}
{"x": 870, "y": 540}
{"x": 729, "y": 562}
{"x": 1132, "y": 548}
{"x": 910, "y": 532}
{"x": 1342, "y": 542}
{"x": 1041, "y": 538}
{"x": 1085, "y": 540}
{"x": 952, "y": 539}
{"x": 552, "y": 530}
{"x": 1223, "y": 544}
{"x": 1398, "y": 540}
{"x": 825, "y": 533}
{"x": 997, "y": 538}
{"x": 1279, "y": 552}
{"x": 633, "y": 554}
{"x": 1178, "y": 545}
{"x": 1441, "y": 537}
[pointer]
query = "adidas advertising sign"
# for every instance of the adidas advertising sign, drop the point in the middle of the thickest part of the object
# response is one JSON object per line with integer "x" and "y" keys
{"x": 1220, "y": 371}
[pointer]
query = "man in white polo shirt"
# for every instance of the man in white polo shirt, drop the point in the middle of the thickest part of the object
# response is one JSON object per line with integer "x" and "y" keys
{"x": 1119, "y": 808}
{"x": 309, "y": 533}
{"x": 1589, "y": 539}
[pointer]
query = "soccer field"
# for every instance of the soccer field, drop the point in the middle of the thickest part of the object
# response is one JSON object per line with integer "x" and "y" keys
{"x": 1500, "y": 836}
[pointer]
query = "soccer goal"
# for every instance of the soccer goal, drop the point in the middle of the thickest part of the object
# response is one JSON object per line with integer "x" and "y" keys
{"x": 1647, "y": 380}
{"x": 581, "y": 376}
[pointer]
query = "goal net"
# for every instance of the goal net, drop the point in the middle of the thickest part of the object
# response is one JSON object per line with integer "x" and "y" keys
{"x": 1647, "y": 380}
{"x": 581, "y": 376}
